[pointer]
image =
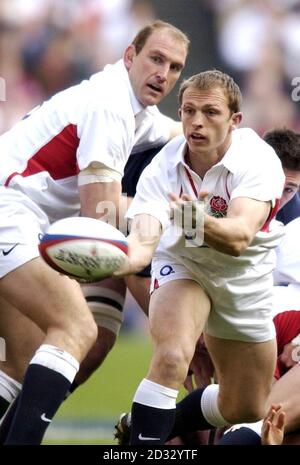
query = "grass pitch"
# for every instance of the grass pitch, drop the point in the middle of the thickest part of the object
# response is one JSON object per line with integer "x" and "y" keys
{"x": 88, "y": 415}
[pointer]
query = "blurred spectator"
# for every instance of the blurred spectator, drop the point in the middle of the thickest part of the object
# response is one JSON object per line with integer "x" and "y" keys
{"x": 266, "y": 103}
{"x": 48, "y": 45}
{"x": 246, "y": 26}
{"x": 259, "y": 42}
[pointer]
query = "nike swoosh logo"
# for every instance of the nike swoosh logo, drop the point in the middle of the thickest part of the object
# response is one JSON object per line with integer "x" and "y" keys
{"x": 144, "y": 438}
{"x": 6, "y": 252}
{"x": 44, "y": 418}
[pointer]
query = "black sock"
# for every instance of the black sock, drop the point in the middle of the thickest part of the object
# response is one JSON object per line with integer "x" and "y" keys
{"x": 240, "y": 436}
{"x": 150, "y": 425}
{"x": 189, "y": 416}
{"x": 7, "y": 420}
{"x": 4, "y": 404}
{"x": 43, "y": 392}
{"x": 73, "y": 387}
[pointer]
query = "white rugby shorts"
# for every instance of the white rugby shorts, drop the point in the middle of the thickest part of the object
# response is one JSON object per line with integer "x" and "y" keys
{"x": 21, "y": 224}
{"x": 241, "y": 305}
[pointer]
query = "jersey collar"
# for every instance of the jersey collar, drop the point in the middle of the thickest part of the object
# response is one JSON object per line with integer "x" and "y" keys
{"x": 231, "y": 160}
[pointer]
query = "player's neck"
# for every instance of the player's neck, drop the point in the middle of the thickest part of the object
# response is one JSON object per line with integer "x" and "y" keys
{"x": 201, "y": 162}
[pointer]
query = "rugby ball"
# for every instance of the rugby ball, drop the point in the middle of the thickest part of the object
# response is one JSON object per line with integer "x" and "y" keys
{"x": 83, "y": 248}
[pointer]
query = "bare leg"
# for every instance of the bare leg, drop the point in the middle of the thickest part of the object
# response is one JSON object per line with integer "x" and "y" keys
{"x": 242, "y": 369}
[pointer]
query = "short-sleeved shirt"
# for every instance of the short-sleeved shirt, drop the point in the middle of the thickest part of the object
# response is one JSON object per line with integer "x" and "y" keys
{"x": 96, "y": 123}
{"x": 250, "y": 168}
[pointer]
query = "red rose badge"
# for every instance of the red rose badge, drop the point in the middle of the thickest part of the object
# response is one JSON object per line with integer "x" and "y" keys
{"x": 218, "y": 206}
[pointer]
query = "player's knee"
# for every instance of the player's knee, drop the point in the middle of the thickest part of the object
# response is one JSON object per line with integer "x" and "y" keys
{"x": 80, "y": 331}
{"x": 172, "y": 363}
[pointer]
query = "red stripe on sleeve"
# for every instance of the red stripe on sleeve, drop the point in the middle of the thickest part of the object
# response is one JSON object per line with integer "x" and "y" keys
{"x": 57, "y": 157}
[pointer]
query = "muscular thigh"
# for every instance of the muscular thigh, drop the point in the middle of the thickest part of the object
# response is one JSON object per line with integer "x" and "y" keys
{"x": 244, "y": 371}
{"x": 43, "y": 295}
{"x": 22, "y": 337}
{"x": 178, "y": 312}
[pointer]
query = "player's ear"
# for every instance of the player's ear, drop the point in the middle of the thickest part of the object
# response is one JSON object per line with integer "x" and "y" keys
{"x": 128, "y": 56}
{"x": 236, "y": 119}
{"x": 179, "y": 112}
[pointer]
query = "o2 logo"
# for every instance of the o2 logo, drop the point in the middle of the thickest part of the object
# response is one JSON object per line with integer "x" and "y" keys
{"x": 166, "y": 270}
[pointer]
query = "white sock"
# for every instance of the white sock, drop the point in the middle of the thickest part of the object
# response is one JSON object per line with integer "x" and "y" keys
{"x": 209, "y": 406}
{"x": 56, "y": 359}
{"x": 155, "y": 395}
{"x": 256, "y": 427}
{"x": 9, "y": 388}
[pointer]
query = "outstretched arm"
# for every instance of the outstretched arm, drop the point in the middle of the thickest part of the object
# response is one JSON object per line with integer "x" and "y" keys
{"x": 233, "y": 233}
{"x": 142, "y": 241}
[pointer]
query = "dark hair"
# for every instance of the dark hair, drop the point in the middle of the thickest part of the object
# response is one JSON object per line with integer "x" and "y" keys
{"x": 142, "y": 36}
{"x": 286, "y": 144}
{"x": 211, "y": 79}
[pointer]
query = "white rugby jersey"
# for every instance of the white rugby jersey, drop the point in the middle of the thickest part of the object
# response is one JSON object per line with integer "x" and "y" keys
{"x": 288, "y": 256}
{"x": 95, "y": 123}
{"x": 250, "y": 168}
{"x": 287, "y": 271}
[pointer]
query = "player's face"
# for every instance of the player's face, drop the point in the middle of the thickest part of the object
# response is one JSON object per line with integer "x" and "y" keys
{"x": 207, "y": 121}
{"x": 291, "y": 185}
{"x": 156, "y": 69}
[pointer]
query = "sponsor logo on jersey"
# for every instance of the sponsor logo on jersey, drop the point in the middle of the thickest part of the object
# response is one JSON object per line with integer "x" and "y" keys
{"x": 166, "y": 270}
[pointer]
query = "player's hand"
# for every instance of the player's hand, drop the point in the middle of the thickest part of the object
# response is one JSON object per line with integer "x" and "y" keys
{"x": 138, "y": 257}
{"x": 177, "y": 201}
{"x": 272, "y": 431}
{"x": 186, "y": 212}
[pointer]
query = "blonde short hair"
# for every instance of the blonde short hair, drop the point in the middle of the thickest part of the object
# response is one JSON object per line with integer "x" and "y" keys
{"x": 211, "y": 79}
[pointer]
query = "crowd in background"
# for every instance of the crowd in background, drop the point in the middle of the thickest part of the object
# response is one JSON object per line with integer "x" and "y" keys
{"x": 48, "y": 45}
{"x": 259, "y": 40}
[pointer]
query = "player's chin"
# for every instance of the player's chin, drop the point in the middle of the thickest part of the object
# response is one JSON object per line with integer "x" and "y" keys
{"x": 153, "y": 98}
